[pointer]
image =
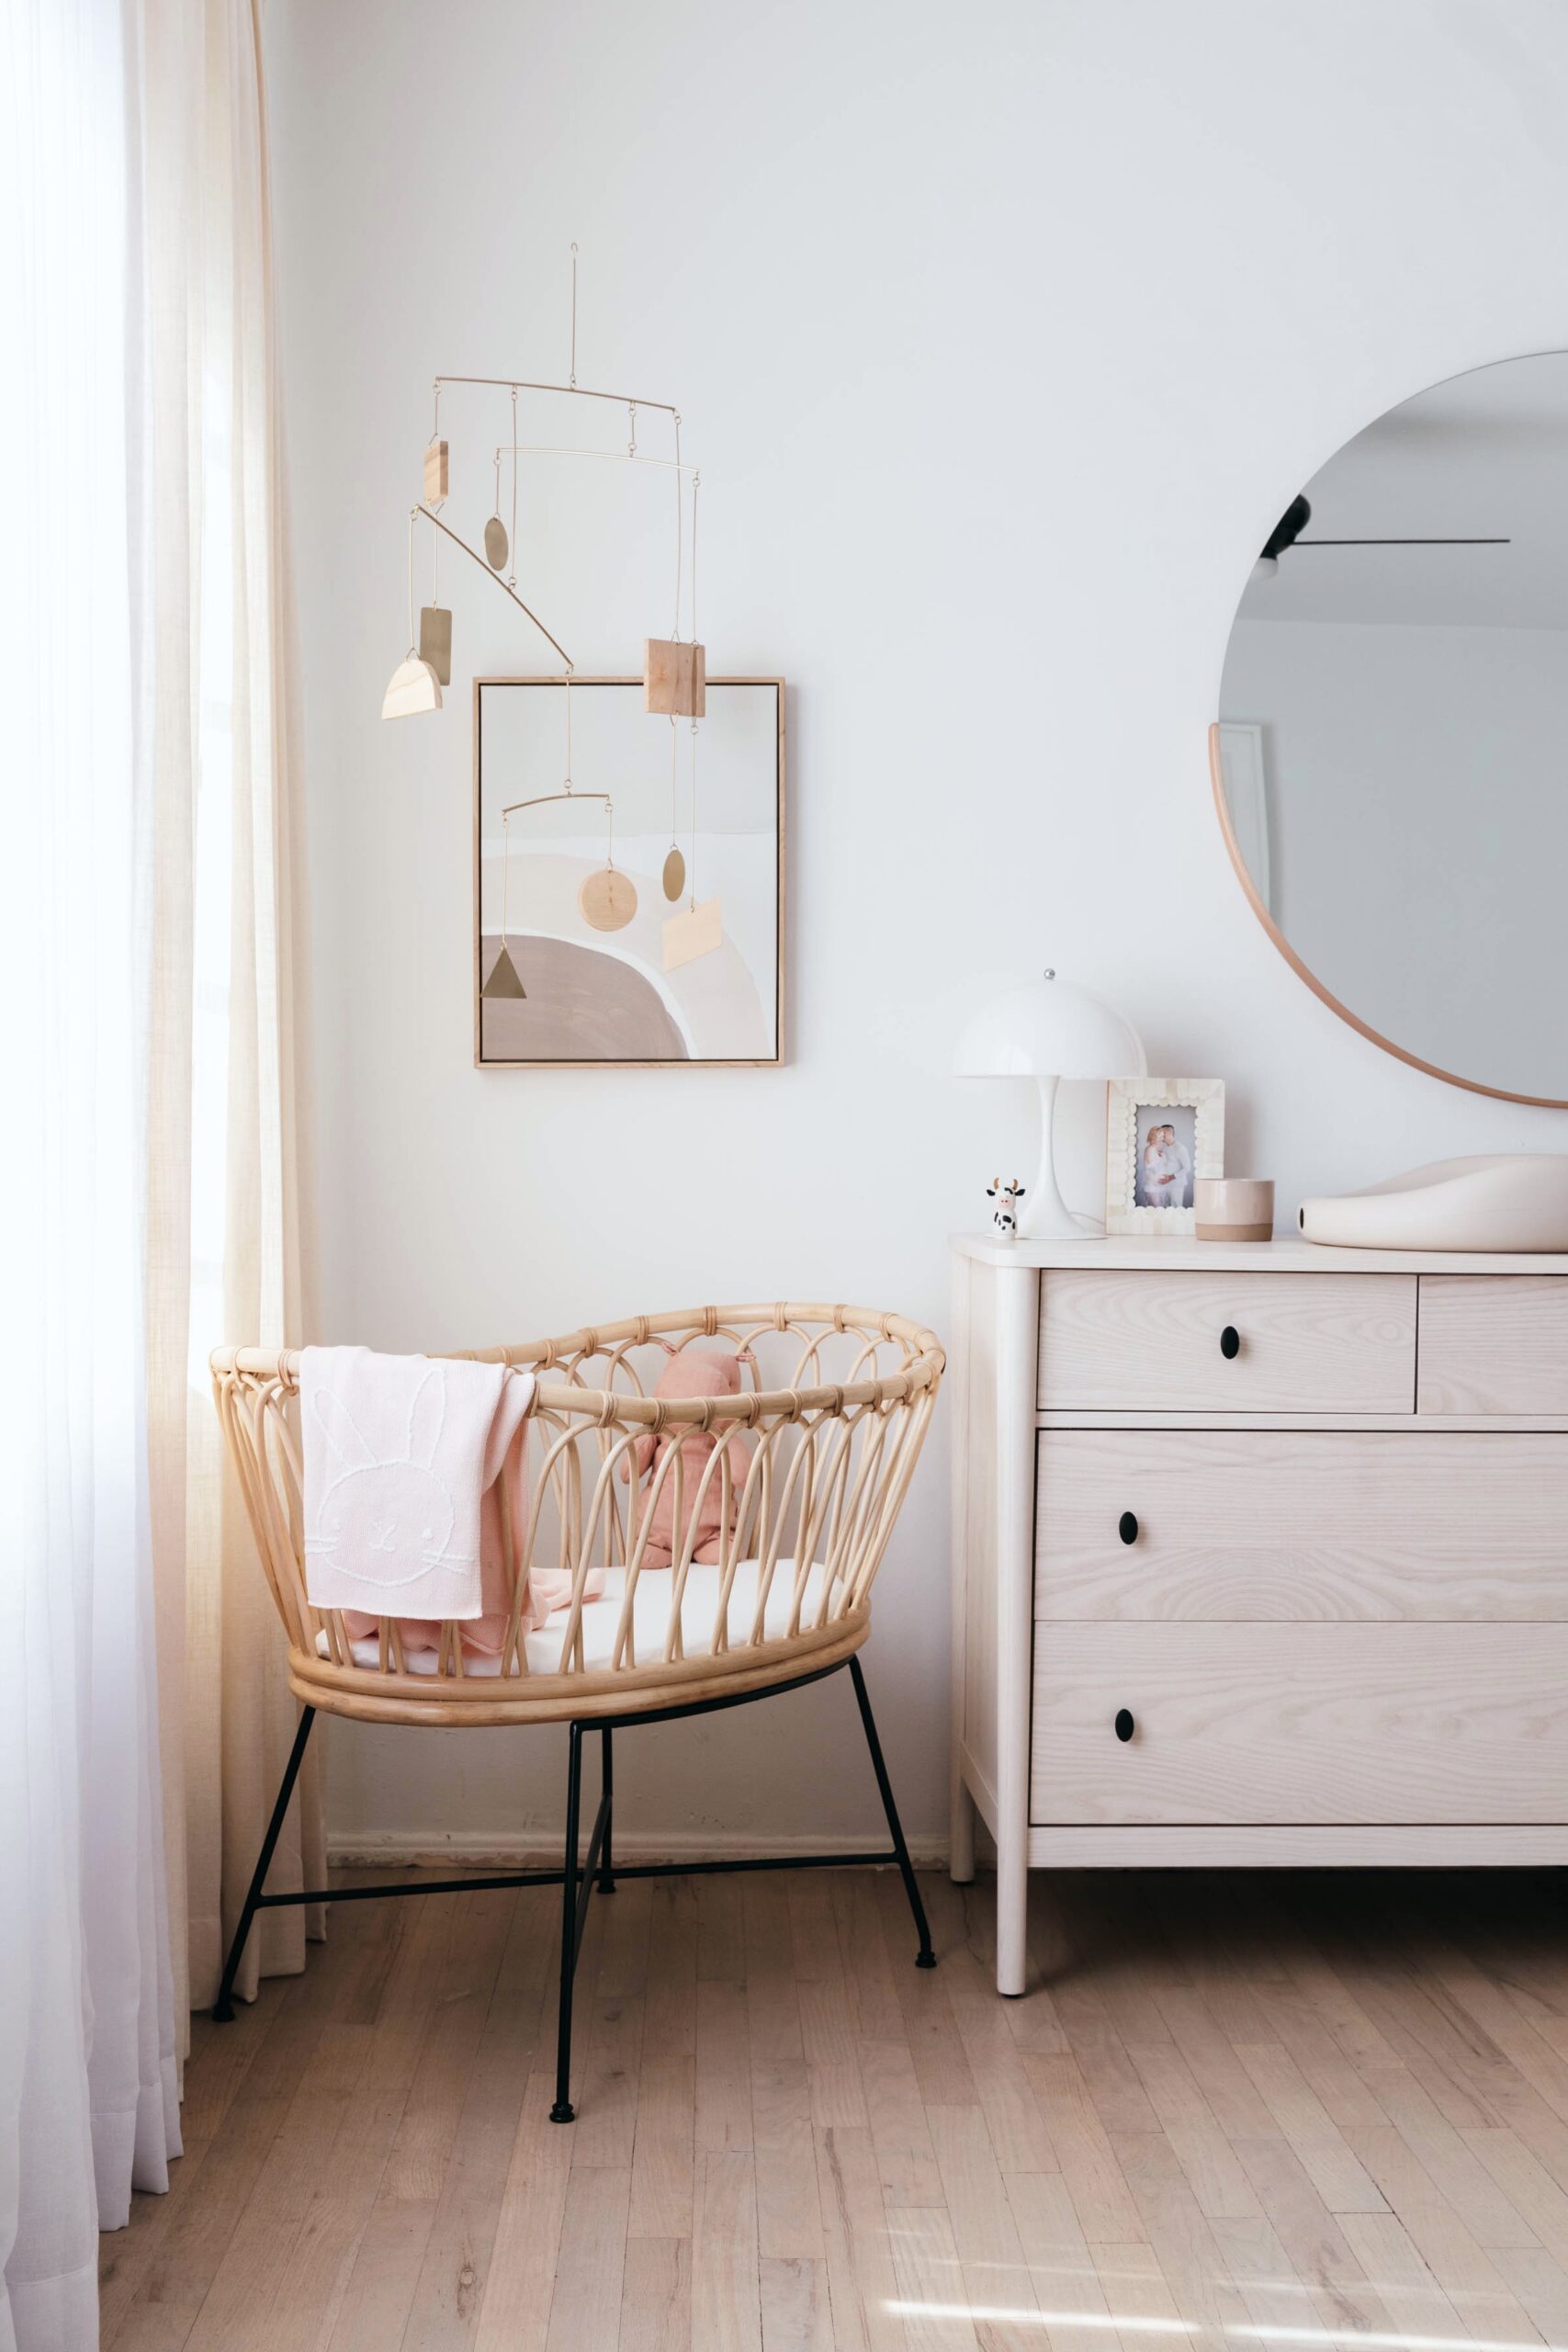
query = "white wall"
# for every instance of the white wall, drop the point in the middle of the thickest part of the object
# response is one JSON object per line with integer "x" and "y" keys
{"x": 1002, "y": 335}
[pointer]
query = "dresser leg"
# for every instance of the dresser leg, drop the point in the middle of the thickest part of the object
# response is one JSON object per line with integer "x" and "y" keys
{"x": 961, "y": 1833}
{"x": 1012, "y": 1924}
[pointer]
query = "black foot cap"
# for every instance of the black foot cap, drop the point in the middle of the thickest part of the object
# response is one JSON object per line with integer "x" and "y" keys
{"x": 926, "y": 1959}
{"x": 223, "y": 2013}
{"x": 563, "y": 2112}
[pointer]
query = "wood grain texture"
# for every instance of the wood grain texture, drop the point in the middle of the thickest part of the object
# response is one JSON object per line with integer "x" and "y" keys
{"x": 1307, "y": 1723}
{"x": 674, "y": 677}
{"x": 1109, "y": 1341}
{"x": 1243, "y": 1524}
{"x": 1498, "y": 1344}
{"x": 1223, "y": 2104}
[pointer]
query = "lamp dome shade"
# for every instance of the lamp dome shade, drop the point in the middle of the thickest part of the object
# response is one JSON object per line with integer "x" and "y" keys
{"x": 1048, "y": 1028}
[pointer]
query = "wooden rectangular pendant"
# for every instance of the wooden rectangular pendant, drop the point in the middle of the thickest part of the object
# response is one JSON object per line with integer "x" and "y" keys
{"x": 434, "y": 473}
{"x": 696, "y": 932}
{"x": 675, "y": 678}
{"x": 436, "y": 640}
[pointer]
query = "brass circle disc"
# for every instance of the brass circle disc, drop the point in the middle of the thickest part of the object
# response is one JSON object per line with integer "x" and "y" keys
{"x": 675, "y": 875}
{"x": 495, "y": 542}
{"x": 608, "y": 900}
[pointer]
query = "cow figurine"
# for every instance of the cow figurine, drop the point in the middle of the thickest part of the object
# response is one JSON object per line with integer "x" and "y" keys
{"x": 1004, "y": 1216}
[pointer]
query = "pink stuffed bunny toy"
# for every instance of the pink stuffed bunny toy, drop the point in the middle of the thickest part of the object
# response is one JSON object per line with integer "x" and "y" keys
{"x": 691, "y": 1371}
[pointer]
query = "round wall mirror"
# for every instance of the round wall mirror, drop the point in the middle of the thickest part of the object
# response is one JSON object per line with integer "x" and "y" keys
{"x": 1391, "y": 760}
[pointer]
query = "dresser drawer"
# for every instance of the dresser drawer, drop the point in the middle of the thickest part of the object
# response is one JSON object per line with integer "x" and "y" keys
{"x": 1493, "y": 1343}
{"x": 1236, "y": 1524}
{"x": 1300, "y": 1723}
{"x": 1226, "y": 1342}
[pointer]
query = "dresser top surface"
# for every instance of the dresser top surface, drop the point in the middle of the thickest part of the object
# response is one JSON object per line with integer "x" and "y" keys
{"x": 1132, "y": 1254}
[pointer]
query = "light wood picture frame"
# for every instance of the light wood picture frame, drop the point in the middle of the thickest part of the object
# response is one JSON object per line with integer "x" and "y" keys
{"x": 697, "y": 981}
{"x": 1143, "y": 1163}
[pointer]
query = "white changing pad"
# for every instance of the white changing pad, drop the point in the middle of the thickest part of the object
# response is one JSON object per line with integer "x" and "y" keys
{"x": 650, "y": 1620}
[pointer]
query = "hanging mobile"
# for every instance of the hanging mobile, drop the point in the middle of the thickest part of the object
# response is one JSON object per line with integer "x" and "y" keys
{"x": 414, "y": 685}
{"x": 497, "y": 544}
{"x": 674, "y": 673}
{"x": 435, "y": 623}
{"x": 504, "y": 979}
{"x": 437, "y": 469}
{"x": 674, "y": 864}
{"x": 700, "y": 929}
{"x": 608, "y": 898}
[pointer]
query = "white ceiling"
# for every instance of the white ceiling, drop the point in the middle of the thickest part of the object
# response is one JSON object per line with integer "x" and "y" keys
{"x": 1482, "y": 454}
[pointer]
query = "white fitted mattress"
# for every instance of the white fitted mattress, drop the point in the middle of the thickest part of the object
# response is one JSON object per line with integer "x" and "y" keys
{"x": 650, "y": 1620}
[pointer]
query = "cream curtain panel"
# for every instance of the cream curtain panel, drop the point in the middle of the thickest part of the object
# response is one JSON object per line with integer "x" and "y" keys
{"x": 146, "y": 1197}
{"x": 222, "y": 1251}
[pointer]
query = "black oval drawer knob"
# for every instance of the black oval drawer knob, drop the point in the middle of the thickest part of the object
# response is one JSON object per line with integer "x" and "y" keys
{"x": 1125, "y": 1726}
{"x": 1127, "y": 1527}
{"x": 1230, "y": 1342}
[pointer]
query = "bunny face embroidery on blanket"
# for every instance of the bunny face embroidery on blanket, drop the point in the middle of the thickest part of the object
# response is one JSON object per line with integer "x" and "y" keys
{"x": 399, "y": 1506}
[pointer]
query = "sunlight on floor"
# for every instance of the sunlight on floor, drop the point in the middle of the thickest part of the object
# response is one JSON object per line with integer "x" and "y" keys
{"x": 1126, "y": 2324}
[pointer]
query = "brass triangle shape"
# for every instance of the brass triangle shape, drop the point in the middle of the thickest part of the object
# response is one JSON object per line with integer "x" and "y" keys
{"x": 504, "y": 978}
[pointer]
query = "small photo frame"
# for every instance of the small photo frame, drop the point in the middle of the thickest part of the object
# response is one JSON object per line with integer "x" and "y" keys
{"x": 1161, "y": 1134}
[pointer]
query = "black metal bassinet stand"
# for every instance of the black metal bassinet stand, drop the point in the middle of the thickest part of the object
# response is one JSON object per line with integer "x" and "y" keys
{"x": 597, "y": 1870}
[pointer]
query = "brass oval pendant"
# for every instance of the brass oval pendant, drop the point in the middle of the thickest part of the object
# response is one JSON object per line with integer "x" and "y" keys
{"x": 495, "y": 542}
{"x": 675, "y": 875}
{"x": 608, "y": 900}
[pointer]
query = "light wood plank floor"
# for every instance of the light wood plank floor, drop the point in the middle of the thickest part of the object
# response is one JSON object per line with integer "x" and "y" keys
{"x": 1235, "y": 2112}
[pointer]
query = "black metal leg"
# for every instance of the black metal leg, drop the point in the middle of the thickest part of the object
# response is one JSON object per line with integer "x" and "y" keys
{"x": 607, "y": 1798}
{"x": 223, "y": 2007}
{"x": 562, "y": 2110}
{"x": 925, "y": 1957}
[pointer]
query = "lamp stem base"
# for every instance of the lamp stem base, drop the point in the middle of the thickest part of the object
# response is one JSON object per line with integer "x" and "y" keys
{"x": 1046, "y": 1216}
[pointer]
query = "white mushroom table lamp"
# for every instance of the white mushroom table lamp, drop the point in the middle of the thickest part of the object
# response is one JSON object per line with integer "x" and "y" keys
{"x": 1049, "y": 1030}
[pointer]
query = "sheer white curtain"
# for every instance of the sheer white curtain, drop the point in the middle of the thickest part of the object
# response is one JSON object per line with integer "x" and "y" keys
{"x": 87, "y": 2059}
{"x": 146, "y": 1207}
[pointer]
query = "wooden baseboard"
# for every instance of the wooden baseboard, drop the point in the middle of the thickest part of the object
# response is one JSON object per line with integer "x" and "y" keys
{"x": 415, "y": 1848}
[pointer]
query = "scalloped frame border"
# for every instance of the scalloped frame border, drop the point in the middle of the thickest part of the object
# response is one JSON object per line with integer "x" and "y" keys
{"x": 1206, "y": 1097}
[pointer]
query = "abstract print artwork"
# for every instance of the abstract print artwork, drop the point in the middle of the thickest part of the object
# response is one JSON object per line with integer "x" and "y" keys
{"x": 628, "y": 907}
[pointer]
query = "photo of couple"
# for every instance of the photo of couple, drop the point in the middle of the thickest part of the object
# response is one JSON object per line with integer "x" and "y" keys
{"x": 1165, "y": 1156}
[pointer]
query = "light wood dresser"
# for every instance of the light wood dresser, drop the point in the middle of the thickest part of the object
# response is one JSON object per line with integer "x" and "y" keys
{"x": 1260, "y": 1556}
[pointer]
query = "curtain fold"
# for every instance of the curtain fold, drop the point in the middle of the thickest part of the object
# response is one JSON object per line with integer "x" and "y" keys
{"x": 147, "y": 1189}
{"x": 223, "y": 1237}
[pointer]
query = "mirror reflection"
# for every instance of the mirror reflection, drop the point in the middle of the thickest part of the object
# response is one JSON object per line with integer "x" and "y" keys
{"x": 1392, "y": 751}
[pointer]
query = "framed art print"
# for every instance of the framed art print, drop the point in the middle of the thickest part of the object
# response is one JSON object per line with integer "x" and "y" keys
{"x": 628, "y": 876}
{"x": 1161, "y": 1135}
